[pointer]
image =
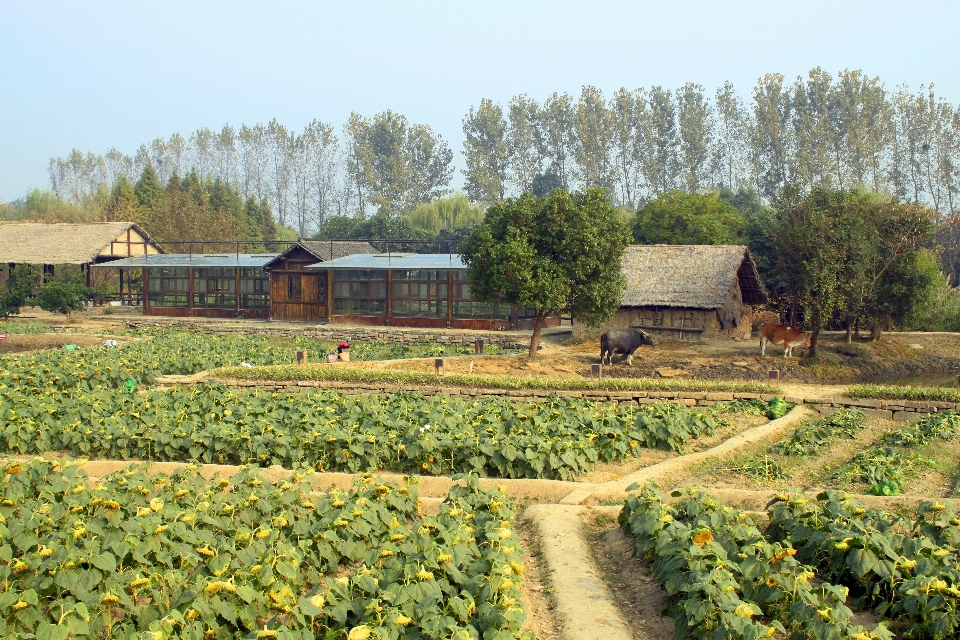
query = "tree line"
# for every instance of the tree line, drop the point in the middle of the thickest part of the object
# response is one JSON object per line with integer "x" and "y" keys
{"x": 819, "y": 131}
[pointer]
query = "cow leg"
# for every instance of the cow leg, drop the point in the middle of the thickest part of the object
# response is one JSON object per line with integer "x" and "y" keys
{"x": 630, "y": 358}
{"x": 763, "y": 347}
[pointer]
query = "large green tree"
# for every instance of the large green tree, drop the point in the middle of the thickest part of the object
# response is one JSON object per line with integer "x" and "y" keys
{"x": 688, "y": 218}
{"x": 558, "y": 254}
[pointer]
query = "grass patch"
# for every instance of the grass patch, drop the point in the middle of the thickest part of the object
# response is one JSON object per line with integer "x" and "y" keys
{"x": 905, "y": 392}
{"x": 485, "y": 381}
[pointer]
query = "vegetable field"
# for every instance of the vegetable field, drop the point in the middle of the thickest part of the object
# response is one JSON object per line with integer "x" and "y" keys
{"x": 145, "y": 556}
{"x": 804, "y": 573}
{"x": 85, "y": 403}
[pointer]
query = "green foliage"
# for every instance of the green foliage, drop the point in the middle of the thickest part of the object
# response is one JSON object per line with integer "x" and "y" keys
{"x": 905, "y": 569}
{"x": 777, "y": 408}
{"x": 688, "y": 218}
{"x": 880, "y": 467}
{"x": 65, "y": 295}
{"x": 561, "y": 254}
{"x": 29, "y": 326}
{"x": 725, "y": 579}
{"x": 148, "y": 189}
{"x": 812, "y": 436}
{"x": 748, "y": 406}
{"x": 184, "y": 556}
{"x": 74, "y": 401}
{"x": 934, "y": 426}
{"x": 905, "y": 392}
{"x": 21, "y": 281}
{"x": 758, "y": 468}
{"x": 485, "y": 381}
{"x": 450, "y": 213}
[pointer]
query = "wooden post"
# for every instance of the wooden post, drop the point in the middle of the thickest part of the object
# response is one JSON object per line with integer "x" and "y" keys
{"x": 438, "y": 366}
{"x": 236, "y": 286}
{"x": 449, "y": 298}
{"x": 189, "y": 291}
{"x": 330, "y": 295}
{"x": 146, "y": 289}
{"x": 389, "y": 312}
{"x": 596, "y": 371}
{"x": 478, "y": 346}
{"x": 301, "y": 358}
{"x": 774, "y": 375}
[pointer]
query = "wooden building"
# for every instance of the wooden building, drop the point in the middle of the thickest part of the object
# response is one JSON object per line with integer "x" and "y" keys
{"x": 84, "y": 245}
{"x": 298, "y": 293}
{"x": 232, "y": 285}
{"x": 412, "y": 290}
{"x": 687, "y": 291}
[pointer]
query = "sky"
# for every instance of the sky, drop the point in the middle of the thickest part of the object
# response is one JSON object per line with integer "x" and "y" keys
{"x": 95, "y": 75}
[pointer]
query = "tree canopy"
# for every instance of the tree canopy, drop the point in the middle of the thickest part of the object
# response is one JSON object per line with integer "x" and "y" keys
{"x": 688, "y": 218}
{"x": 557, "y": 254}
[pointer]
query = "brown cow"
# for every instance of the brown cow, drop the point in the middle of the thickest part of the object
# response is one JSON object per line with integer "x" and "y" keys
{"x": 790, "y": 337}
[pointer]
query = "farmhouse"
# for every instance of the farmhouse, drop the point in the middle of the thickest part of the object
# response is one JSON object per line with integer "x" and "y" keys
{"x": 298, "y": 293}
{"x": 84, "y": 245}
{"x": 234, "y": 285}
{"x": 413, "y": 290}
{"x": 688, "y": 291}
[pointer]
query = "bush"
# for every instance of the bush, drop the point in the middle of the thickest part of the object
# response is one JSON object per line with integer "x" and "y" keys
{"x": 66, "y": 296}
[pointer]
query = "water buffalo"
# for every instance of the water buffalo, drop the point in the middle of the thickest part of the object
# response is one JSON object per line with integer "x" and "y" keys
{"x": 624, "y": 341}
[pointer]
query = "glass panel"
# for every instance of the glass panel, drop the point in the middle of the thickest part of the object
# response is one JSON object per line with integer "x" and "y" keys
{"x": 401, "y": 290}
{"x": 341, "y": 289}
{"x": 378, "y": 289}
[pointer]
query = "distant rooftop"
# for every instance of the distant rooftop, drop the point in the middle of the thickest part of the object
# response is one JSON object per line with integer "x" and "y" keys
{"x": 395, "y": 261}
{"x": 209, "y": 260}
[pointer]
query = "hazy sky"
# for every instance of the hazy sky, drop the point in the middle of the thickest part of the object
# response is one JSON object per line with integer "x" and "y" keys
{"x": 95, "y": 75}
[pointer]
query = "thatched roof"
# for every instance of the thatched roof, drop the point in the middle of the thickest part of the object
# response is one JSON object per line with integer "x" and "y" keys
{"x": 325, "y": 250}
{"x": 62, "y": 243}
{"x": 693, "y": 276}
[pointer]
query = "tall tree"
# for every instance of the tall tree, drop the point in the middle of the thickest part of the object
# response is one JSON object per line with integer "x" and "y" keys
{"x": 769, "y": 136}
{"x": 557, "y": 119}
{"x": 696, "y": 123}
{"x": 486, "y": 153}
{"x": 559, "y": 254}
{"x": 526, "y": 142}
{"x": 593, "y": 141}
{"x": 280, "y": 148}
{"x": 148, "y": 189}
{"x": 731, "y": 141}
{"x": 623, "y": 117}
{"x": 661, "y": 164}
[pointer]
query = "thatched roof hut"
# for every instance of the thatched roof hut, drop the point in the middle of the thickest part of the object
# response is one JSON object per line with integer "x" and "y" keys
{"x": 63, "y": 243}
{"x": 693, "y": 276}
{"x": 689, "y": 291}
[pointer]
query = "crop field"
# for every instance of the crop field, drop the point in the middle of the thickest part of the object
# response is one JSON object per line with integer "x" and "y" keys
{"x": 136, "y": 555}
{"x": 853, "y": 452}
{"x": 145, "y": 556}
{"x": 86, "y": 403}
{"x": 805, "y": 572}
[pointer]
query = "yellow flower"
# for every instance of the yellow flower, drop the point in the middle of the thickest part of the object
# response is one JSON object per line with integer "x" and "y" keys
{"x": 262, "y": 533}
{"x": 156, "y": 504}
{"x": 216, "y": 587}
{"x": 403, "y": 620}
{"x": 317, "y": 601}
{"x": 139, "y": 582}
{"x": 423, "y": 574}
{"x": 110, "y": 599}
{"x": 743, "y": 611}
{"x": 444, "y": 557}
{"x": 205, "y": 550}
{"x": 44, "y": 552}
{"x": 20, "y": 604}
{"x": 703, "y": 538}
{"x": 359, "y": 633}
